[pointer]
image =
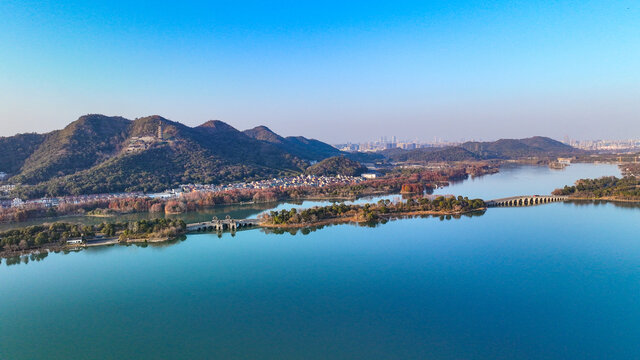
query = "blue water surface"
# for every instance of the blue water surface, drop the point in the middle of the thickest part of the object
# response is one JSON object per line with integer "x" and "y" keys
{"x": 556, "y": 281}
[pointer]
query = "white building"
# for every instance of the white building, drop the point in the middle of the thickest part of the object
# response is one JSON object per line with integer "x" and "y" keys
{"x": 47, "y": 202}
{"x": 17, "y": 202}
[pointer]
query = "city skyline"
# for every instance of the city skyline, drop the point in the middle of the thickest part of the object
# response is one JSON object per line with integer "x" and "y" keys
{"x": 390, "y": 142}
{"x": 430, "y": 139}
{"x": 332, "y": 71}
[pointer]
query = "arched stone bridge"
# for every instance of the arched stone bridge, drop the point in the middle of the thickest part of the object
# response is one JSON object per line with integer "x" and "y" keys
{"x": 526, "y": 200}
{"x": 220, "y": 225}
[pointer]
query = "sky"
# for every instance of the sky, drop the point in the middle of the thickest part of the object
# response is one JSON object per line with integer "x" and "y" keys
{"x": 337, "y": 71}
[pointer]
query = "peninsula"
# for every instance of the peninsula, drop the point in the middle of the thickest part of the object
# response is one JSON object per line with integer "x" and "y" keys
{"x": 608, "y": 188}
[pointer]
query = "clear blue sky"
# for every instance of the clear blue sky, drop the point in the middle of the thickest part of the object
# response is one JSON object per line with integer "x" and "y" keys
{"x": 332, "y": 70}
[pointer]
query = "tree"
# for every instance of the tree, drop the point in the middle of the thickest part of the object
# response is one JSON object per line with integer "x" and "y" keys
{"x": 42, "y": 238}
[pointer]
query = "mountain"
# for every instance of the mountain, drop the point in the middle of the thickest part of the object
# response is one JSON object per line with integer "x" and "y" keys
{"x": 82, "y": 144}
{"x": 549, "y": 145}
{"x": 226, "y": 141}
{"x": 518, "y": 148}
{"x": 263, "y": 133}
{"x": 537, "y": 146}
{"x": 337, "y": 165}
{"x": 15, "y": 150}
{"x": 308, "y": 149}
{"x": 98, "y": 154}
{"x": 452, "y": 153}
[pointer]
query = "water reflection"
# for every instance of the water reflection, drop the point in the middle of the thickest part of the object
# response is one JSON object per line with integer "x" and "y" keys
{"x": 619, "y": 204}
{"x": 25, "y": 259}
{"x": 236, "y": 211}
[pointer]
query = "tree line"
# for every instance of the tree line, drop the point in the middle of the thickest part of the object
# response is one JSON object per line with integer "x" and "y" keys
{"x": 59, "y": 232}
{"x": 626, "y": 188}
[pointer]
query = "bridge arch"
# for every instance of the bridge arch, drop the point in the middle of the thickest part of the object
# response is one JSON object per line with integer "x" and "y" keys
{"x": 527, "y": 200}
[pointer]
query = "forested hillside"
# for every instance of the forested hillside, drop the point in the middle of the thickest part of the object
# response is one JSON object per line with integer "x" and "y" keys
{"x": 337, "y": 165}
{"x": 97, "y": 154}
{"x": 537, "y": 146}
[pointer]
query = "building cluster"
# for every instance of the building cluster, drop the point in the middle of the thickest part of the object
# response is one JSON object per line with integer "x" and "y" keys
{"x": 276, "y": 183}
{"x": 384, "y": 143}
{"x": 56, "y": 201}
{"x": 605, "y": 145}
{"x": 137, "y": 144}
{"x": 6, "y": 189}
{"x": 141, "y": 143}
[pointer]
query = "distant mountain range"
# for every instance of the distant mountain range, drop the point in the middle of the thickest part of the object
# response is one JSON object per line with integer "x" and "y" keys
{"x": 537, "y": 146}
{"x": 97, "y": 154}
{"x": 100, "y": 154}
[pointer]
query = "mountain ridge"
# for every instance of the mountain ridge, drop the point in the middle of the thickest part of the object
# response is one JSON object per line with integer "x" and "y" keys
{"x": 502, "y": 149}
{"x": 308, "y": 149}
{"x": 98, "y": 153}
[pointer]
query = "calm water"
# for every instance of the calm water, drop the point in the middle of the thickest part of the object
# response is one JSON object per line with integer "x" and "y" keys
{"x": 558, "y": 281}
{"x": 527, "y": 180}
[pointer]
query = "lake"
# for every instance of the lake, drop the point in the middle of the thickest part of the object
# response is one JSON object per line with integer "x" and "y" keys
{"x": 556, "y": 281}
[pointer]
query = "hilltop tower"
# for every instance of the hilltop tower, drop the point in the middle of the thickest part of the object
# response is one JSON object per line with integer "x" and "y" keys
{"x": 160, "y": 134}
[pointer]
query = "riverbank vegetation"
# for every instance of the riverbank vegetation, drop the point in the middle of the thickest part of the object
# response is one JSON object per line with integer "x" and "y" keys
{"x": 55, "y": 235}
{"x": 383, "y": 209}
{"x": 606, "y": 188}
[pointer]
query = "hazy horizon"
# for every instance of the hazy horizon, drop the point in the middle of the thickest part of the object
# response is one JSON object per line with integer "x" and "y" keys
{"x": 332, "y": 71}
{"x": 388, "y": 136}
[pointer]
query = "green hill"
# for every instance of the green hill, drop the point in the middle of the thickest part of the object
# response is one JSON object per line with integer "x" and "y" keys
{"x": 84, "y": 143}
{"x": 537, "y": 146}
{"x": 453, "y": 153}
{"x": 519, "y": 148}
{"x": 98, "y": 154}
{"x": 15, "y": 150}
{"x": 337, "y": 165}
{"x": 308, "y": 149}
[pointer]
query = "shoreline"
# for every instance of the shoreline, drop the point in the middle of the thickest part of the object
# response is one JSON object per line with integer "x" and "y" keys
{"x": 332, "y": 221}
{"x": 55, "y": 248}
{"x": 607, "y": 199}
{"x": 47, "y": 219}
{"x": 353, "y": 219}
{"x": 368, "y": 191}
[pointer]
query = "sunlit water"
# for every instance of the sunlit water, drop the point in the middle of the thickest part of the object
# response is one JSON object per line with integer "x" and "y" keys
{"x": 556, "y": 281}
{"x": 526, "y": 180}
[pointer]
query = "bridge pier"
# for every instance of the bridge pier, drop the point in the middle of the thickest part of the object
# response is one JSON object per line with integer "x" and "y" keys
{"x": 526, "y": 200}
{"x": 219, "y": 225}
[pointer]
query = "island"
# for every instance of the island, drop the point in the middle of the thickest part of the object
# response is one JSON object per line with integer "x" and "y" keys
{"x": 371, "y": 212}
{"x": 60, "y": 235}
